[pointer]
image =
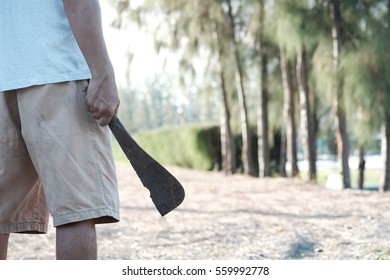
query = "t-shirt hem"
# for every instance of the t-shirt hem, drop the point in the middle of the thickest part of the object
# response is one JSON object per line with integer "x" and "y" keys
{"x": 13, "y": 85}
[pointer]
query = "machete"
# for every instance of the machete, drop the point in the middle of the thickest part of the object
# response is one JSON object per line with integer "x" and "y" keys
{"x": 165, "y": 190}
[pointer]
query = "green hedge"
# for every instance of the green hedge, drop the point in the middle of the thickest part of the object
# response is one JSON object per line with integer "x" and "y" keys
{"x": 195, "y": 146}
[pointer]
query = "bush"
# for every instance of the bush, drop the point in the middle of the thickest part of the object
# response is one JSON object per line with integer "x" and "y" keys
{"x": 192, "y": 146}
{"x": 195, "y": 146}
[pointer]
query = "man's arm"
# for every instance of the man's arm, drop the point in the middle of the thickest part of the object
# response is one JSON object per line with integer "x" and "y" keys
{"x": 86, "y": 23}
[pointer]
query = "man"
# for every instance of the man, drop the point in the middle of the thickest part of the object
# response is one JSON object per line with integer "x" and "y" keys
{"x": 57, "y": 95}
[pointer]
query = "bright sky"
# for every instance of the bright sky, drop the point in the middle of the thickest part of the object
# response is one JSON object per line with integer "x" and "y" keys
{"x": 145, "y": 62}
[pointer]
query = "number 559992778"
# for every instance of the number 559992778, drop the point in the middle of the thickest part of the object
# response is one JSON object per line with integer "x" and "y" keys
{"x": 241, "y": 270}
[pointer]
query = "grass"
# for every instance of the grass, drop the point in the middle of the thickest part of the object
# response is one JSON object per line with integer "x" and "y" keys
{"x": 384, "y": 256}
{"x": 372, "y": 176}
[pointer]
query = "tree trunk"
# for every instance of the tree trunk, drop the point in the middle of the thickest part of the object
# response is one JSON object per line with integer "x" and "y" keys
{"x": 342, "y": 143}
{"x": 226, "y": 132}
{"x": 283, "y": 154}
{"x": 228, "y": 158}
{"x": 341, "y": 123}
{"x": 262, "y": 122}
{"x": 385, "y": 179}
{"x": 362, "y": 166}
{"x": 247, "y": 156}
{"x": 289, "y": 113}
{"x": 263, "y": 151}
{"x": 384, "y": 185}
{"x": 307, "y": 123}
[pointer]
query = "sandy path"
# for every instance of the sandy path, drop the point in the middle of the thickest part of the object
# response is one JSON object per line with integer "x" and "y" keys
{"x": 237, "y": 218}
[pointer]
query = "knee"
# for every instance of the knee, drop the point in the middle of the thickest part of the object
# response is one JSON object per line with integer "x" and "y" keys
{"x": 4, "y": 246}
{"x": 86, "y": 225}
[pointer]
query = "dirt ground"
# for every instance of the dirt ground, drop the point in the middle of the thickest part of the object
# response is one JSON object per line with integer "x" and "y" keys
{"x": 236, "y": 217}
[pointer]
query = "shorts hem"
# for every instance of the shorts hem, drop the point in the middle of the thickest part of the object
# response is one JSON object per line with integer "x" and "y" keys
{"x": 101, "y": 216}
{"x": 24, "y": 227}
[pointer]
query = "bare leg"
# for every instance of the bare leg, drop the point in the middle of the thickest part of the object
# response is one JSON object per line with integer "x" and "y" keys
{"x": 4, "y": 246}
{"x": 76, "y": 241}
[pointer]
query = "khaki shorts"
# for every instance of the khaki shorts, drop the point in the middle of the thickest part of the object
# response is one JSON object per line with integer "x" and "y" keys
{"x": 54, "y": 158}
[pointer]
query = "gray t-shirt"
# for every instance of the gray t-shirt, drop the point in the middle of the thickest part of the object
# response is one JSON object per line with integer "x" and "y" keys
{"x": 37, "y": 45}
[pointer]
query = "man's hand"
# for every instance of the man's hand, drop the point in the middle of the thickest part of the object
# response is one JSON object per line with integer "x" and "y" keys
{"x": 102, "y": 98}
{"x": 102, "y": 95}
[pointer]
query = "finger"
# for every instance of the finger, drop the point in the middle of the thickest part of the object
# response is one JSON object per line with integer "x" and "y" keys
{"x": 96, "y": 115}
{"x": 98, "y": 110}
{"x": 93, "y": 109}
{"x": 103, "y": 121}
{"x": 104, "y": 116}
{"x": 90, "y": 100}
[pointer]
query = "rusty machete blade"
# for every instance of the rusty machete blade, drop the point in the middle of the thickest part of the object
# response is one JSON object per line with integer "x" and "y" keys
{"x": 165, "y": 190}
